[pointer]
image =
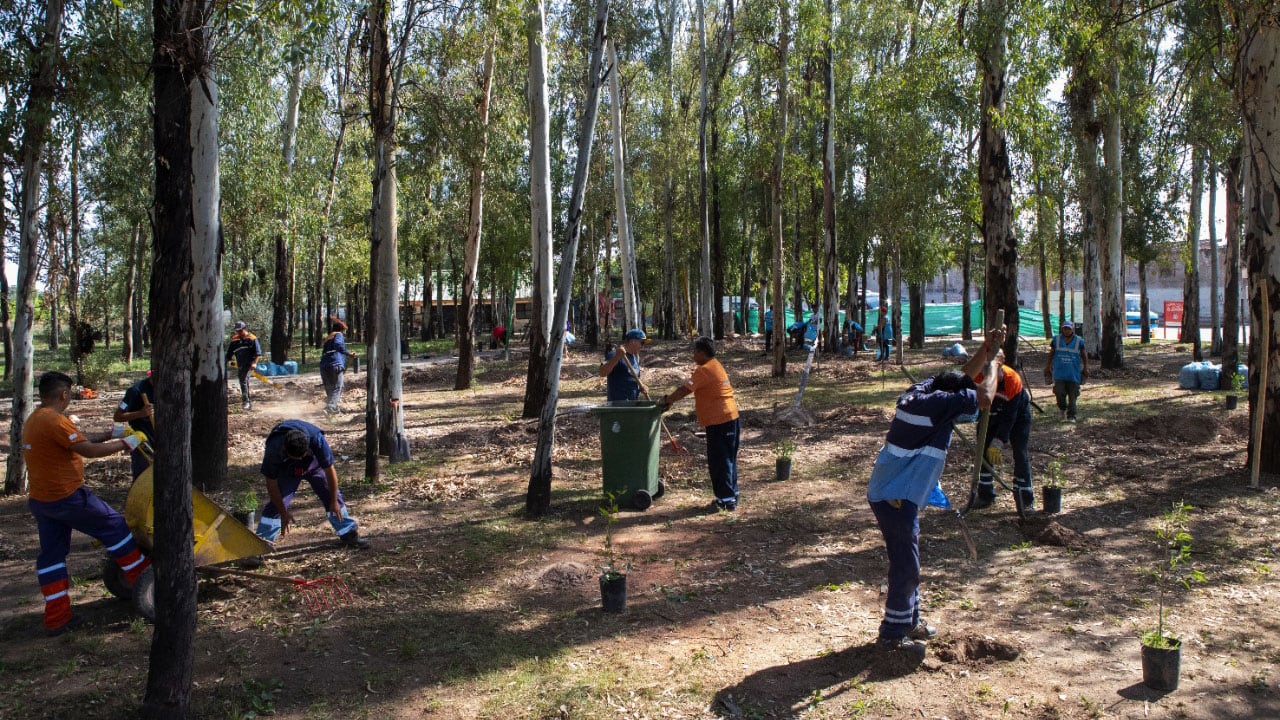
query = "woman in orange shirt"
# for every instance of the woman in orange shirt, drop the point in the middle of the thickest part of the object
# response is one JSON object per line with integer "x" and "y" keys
{"x": 717, "y": 411}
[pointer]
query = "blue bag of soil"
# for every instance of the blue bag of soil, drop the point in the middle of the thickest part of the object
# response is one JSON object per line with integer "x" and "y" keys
{"x": 1208, "y": 376}
{"x": 1189, "y": 376}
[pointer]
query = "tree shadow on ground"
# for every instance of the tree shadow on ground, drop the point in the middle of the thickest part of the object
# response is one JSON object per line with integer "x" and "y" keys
{"x": 788, "y": 691}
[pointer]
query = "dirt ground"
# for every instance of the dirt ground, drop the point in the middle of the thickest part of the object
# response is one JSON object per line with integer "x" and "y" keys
{"x": 466, "y": 609}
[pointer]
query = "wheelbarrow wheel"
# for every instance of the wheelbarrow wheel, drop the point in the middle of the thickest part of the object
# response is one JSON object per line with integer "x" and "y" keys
{"x": 662, "y": 490}
{"x": 144, "y": 594}
{"x": 113, "y": 579}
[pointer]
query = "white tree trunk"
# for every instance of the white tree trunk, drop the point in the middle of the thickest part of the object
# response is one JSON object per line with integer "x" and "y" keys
{"x": 1113, "y": 318}
{"x": 626, "y": 248}
{"x": 831, "y": 272}
{"x": 707, "y": 305}
{"x": 35, "y": 127}
{"x": 475, "y": 227}
{"x": 540, "y": 169}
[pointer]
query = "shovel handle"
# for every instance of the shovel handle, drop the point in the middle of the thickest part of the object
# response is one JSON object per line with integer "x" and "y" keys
{"x": 217, "y": 571}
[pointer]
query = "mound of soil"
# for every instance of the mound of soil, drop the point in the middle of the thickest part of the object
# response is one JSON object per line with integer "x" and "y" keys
{"x": 1043, "y": 531}
{"x": 974, "y": 648}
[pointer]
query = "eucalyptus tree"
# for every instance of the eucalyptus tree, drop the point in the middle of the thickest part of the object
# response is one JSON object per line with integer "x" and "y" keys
{"x": 632, "y": 317}
{"x": 1258, "y": 30}
{"x": 538, "y": 499}
{"x": 42, "y": 85}
{"x": 539, "y": 207}
{"x": 471, "y": 265}
{"x": 186, "y": 300}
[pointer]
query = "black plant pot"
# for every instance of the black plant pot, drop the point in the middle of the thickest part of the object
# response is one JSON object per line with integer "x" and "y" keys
{"x": 782, "y": 468}
{"x": 1232, "y": 401}
{"x": 1161, "y": 667}
{"x": 613, "y": 592}
{"x": 1052, "y": 499}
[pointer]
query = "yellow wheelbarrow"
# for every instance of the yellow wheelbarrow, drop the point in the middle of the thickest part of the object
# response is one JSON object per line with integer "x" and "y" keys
{"x": 219, "y": 538}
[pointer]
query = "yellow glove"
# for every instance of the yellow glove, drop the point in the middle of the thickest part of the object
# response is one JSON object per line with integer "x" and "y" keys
{"x": 134, "y": 438}
{"x": 995, "y": 455}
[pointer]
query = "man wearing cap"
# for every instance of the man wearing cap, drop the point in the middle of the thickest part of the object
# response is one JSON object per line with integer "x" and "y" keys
{"x": 1067, "y": 367}
{"x": 297, "y": 451}
{"x": 246, "y": 350}
{"x": 621, "y": 367}
{"x": 137, "y": 410}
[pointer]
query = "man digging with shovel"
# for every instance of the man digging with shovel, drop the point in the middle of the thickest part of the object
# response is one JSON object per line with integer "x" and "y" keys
{"x": 905, "y": 479}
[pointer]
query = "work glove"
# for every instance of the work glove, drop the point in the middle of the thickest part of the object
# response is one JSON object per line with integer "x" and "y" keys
{"x": 133, "y": 441}
{"x": 995, "y": 453}
{"x": 118, "y": 430}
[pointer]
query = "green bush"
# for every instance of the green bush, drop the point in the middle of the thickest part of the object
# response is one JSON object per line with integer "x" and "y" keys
{"x": 96, "y": 369}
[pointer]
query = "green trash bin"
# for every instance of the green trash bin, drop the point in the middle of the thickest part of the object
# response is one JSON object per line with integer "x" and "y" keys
{"x": 629, "y": 445}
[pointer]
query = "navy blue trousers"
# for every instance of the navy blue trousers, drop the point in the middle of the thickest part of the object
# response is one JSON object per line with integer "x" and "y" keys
{"x": 269, "y": 524}
{"x": 722, "y": 459}
{"x": 901, "y": 530}
{"x": 1011, "y": 419}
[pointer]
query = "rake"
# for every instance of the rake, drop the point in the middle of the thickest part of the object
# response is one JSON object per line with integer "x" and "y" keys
{"x": 319, "y": 595}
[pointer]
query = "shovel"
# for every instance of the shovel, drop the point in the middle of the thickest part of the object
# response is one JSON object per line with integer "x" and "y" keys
{"x": 674, "y": 445}
{"x": 400, "y": 447}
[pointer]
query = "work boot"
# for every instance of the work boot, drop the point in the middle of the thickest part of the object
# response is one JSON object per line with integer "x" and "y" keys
{"x": 923, "y": 631}
{"x": 74, "y": 623}
{"x": 353, "y": 540}
{"x": 908, "y": 648}
{"x": 247, "y": 406}
{"x": 981, "y": 502}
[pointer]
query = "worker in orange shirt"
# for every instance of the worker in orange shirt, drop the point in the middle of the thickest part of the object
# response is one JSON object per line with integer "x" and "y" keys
{"x": 1010, "y": 426}
{"x": 54, "y": 448}
{"x": 717, "y": 412}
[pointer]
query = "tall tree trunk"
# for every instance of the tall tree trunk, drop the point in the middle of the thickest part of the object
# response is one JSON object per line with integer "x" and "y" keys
{"x": 626, "y": 248}
{"x": 831, "y": 274}
{"x": 540, "y": 211}
{"x": 467, "y": 309}
{"x": 1082, "y": 97}
{"x": 1042, "y": 242}
{"x": 1231, "y": 288}
{"x": 4, "y": 285}
{"x": 53, "y": 223}
{"x": 915, "y": 294}
{"x": 130, "y": 278}
{"x": 706, "y": 307}
{"x": 1260, "y": 105}
{"x": 1062, "y": 258}
{"x": 966, "y": 282}
{"x": 777, "y": 182}
{"x": 141, "y": 315}
{"x": 282, "y": 294}
{"x": 1114, "y": 326}
{"x": 538, "y": 499}
{"x": 331, "y": 189}
{"x": 73, "y": 256}
{"x": 996, "y": 181}
{"x": 384, "y": 357}
{"x": 188, "y": 307}
{"x": 35, "y": 127}
{"x": 1190, "y": 331}
{"x": 1215, "y": 323}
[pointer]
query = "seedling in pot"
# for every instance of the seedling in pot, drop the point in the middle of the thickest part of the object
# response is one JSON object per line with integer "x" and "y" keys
{"x": 784, "y": 449}
{"x": 1175, "y": 567}
{"x": 1054, "y": 477}
{"x": 611, "y": 570}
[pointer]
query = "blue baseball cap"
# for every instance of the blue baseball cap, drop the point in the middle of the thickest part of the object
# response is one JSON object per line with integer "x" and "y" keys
{"x": 637, "y": 334}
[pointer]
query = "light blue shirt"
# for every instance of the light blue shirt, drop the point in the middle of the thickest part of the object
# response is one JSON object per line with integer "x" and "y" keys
{"x": 911, "y": 461}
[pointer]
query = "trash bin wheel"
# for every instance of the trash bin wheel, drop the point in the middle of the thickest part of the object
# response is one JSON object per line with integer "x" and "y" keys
{"x": 113, "y": 579}
{"x": 642, "y": 500}
{"x": 662, "y": 490}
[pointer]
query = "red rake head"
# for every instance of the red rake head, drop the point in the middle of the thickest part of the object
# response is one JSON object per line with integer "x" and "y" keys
{"x": 323, "y": 594}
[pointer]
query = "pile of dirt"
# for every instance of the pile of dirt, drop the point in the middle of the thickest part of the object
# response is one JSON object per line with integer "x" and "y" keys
{"x": 974, "y": 648}
{"x": 1043, "y": 531}
{"x": 560, "y": 576}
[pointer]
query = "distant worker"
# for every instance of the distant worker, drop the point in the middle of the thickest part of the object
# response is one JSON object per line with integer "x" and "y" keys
{"x": 854, "y": 336}
{"x": 137, "y": 410}
{"x": 905, "y": 479}
{"x": 1010, "y": 426}
{"x": 884, "y": 334}
{"x": 297, "y": 451}
{"x": 768, "y": 330}
{"x": 622, "y": 368}
{"x": 333, "y": 363}
{"x": 245, "y": 349}
{"x": 53, "y": 449}
{"x": 717, "y": 413}
{"x": 1067, "y": 367}
{"x": 499, "y": 336}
